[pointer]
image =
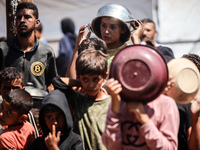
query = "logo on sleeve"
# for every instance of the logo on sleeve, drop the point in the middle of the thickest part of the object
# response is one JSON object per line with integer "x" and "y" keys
{"x": 37, "y": 68}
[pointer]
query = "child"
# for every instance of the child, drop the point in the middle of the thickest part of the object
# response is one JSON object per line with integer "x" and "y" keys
{"x": 91, "y": 107}
{"x": 20, "y": 133}
{"x": 83, "y": 43}
{"x": 113, "y": 29}
{"x": 188, "y": 118}
{"x": 12, "y": 78}
{"x": 95, "y": 43}
{"x": 134, "y": 125}
{"x": 57, "y": 125}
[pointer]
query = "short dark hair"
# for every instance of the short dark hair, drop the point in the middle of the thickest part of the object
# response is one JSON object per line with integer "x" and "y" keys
{"x": 148, "y": 20}
{"x": 94, "y": 43}
{"x": 39, "y": 28}
{"x": 11, "y": 73}
{"x": 20, "y": 100}
{"x": 194, "y": 58}
{"x": 91, "y": 61}
{"x": 50, "y": 108}
{"x": 28, "y": 5}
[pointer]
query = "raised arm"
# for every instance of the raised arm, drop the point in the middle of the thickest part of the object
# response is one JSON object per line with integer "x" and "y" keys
{"x": 111, "y": 137}
{"x": 71, "y": 71}
{"x": 194, "y": 133}
{"x": 135, "y": 37}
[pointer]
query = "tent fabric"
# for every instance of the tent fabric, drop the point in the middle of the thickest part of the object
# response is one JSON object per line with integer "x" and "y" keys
{"x": 177, "y": 23}
{"x": 176, "y": 20}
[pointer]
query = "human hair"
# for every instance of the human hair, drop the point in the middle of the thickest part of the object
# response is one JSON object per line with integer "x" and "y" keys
{"x": 20, "y": 100}
{"x": 28, "y": 5}
{"x": 50, "y": 108}
{"x": 147, "y": 20}
{"x": 94, "y": 43}
{"x": 39, "y": 28}
{"x": 11, "y": 73}
{"x": 67, "y": 25}
{"x": 3, "y": 39}
{"x": 194, "y": 58}
{"x": 91, "y": 61}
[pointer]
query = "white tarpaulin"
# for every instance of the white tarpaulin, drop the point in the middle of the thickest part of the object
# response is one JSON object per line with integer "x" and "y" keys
{"x": 178, "y": 24}
{"x": 177, "y": 20}
{"x": 51, "y": 12}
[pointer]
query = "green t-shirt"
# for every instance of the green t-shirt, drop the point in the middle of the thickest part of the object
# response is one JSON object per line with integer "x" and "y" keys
{"x": 90, "y": 116}
{"x": 112, "y": 52}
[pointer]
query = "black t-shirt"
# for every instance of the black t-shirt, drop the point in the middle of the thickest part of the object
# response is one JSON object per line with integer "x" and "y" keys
{"x": 185, "y": 123}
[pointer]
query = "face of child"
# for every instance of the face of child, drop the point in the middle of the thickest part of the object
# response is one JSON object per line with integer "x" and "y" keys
{"x": 10, "y": 85}
{"x": 8, "y": 116}
{"x": 56, "y": 118}
{"x": 111, "y": 31}
{"x": 91, "y": 84}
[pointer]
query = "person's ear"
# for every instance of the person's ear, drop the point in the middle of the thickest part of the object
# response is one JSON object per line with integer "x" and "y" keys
{"x": 23, "y": 118}
{"x": 106, "y": 75}
{"x": 155, "y": 33}
{"x": 37, "y": 23}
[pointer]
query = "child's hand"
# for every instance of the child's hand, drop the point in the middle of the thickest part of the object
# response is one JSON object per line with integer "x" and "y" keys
{"x": 135, "y": 37}
{"x": 138, "y": 109}
{"x": 52, "y": 139}
{"x": 50, "y": 88}
{"x": 114, "y": 88}
{"x": 170, "y": 84}
{"x": 81, "y": 34}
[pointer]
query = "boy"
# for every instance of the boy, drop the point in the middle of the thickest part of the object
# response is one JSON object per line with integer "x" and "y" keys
{"x": 89, "y": 108}
{"x": 57, "y": 125}
{"x": 12, "y": 78}
{"x": 134, "y": 125}
{"x": 20, "y": 133}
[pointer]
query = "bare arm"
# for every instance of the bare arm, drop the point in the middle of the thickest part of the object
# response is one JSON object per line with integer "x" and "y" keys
{"x": 71, "y": 70}
{"x": 114, "y": 88}
{"x": 194, "y": 137}
{"x": 135, "y": 37}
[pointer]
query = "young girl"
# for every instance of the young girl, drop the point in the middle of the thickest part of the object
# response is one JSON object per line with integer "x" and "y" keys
{"x": 111, "y": 26}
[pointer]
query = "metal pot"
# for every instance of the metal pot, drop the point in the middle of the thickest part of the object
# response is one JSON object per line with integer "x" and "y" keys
{"x": 36, "y": 93}
{"x": 142, "y": 72}
{"x": 116, "y": 11}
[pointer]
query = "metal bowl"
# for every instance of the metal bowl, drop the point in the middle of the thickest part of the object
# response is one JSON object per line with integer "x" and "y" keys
{"x": 36, "y": 93}
{"x": 116, "y": 11}
{"x": 186, "y": 80}
{"x": 142, "y": 72}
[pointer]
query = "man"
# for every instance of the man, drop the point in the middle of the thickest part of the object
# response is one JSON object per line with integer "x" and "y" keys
{"x": 148, "y": 36}
{"x": 26, "y": 52}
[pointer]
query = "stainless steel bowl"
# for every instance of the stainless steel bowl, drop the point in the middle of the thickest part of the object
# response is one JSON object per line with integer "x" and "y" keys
{"x": 116, "y": 11}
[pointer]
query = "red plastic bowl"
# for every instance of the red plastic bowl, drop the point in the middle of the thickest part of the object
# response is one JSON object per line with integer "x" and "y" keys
{"x": 142, "y": 72}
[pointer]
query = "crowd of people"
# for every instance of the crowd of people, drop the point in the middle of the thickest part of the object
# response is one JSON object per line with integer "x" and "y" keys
{"x": 84, "y": 108}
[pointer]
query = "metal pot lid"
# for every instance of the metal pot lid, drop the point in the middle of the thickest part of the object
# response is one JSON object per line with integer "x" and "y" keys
{"x": 35, "y": 92}
{"x": 142, "y": 71}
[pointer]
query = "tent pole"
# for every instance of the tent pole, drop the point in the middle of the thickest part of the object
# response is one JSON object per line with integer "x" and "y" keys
{"x": 11, "y": 6}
